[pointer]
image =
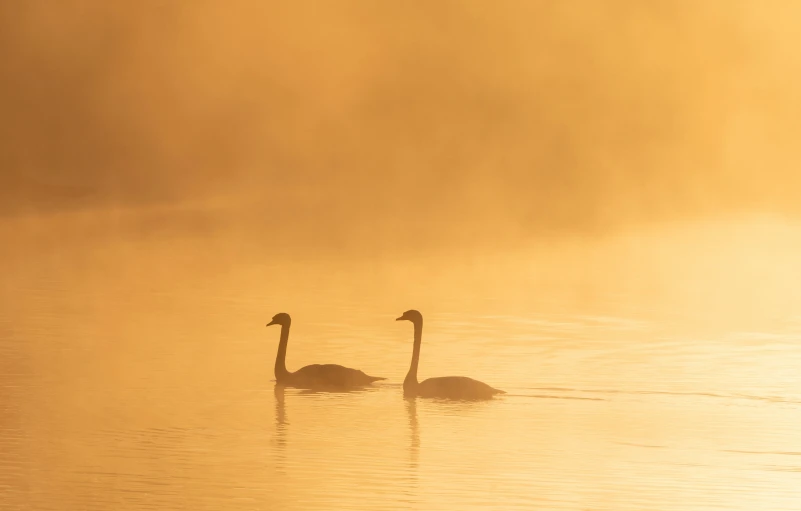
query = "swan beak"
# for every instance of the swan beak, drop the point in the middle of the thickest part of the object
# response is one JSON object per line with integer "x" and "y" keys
{"x": 400, "y": 318}
{"x": 271, "y": 323}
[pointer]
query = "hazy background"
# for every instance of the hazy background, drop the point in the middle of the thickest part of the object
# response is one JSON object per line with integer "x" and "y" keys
{"x": 595, "y": 204}
{"x": 570, "y": 147}
{"x": 352, "y": 124}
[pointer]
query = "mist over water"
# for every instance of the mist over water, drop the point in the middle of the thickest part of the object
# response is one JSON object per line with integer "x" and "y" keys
{"x": 137, "y": 373}
{"x": 595, "y": 207}
{"x": 352, "y": 120}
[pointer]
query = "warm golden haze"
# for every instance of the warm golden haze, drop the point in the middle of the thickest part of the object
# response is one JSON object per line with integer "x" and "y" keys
{"x": 346, "y": 124}
{"x": 595, "y": 205}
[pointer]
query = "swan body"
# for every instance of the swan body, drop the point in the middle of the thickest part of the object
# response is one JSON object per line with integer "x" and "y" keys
{"x": 316, "y": 375}
{"x": 328, "y": 375}
{"x": 455, "y": 387}
{"x": 448, "y": 387}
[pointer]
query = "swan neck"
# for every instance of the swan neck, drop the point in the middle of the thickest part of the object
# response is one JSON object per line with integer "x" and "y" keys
{"x": 411, "y": 377}
{"x": 280, "y": 359}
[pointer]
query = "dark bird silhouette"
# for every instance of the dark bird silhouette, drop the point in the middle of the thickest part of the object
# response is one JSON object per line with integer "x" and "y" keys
{"x": 315, "y": 376}
{"x": 449, "y": 387}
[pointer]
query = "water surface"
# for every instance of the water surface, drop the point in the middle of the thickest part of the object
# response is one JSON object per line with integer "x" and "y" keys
{"x": 136, "y": 374}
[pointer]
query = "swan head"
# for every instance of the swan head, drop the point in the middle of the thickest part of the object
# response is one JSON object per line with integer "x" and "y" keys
{"x": 282, "y": 318}
{"x": 411, "y": 315}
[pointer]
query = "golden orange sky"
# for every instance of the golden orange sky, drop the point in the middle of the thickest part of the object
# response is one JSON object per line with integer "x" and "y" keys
{"x": 505, "y": 117}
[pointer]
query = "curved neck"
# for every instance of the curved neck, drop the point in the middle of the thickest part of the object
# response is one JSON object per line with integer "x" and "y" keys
{"x": 280, "y": 358}
{"x": 411, "y": 376}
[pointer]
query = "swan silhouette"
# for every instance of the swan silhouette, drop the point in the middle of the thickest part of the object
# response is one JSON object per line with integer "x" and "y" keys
{"x": 315, "y": 376}
{"x": 449, "y": 387}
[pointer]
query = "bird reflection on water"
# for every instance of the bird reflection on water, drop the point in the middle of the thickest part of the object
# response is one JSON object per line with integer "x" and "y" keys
{"x": 281, "y": 427}
{"x": 414, "y": 444}
{"x": 414, "y": 429}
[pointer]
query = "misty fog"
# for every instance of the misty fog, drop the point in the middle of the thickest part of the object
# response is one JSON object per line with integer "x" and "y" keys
{"x": 358, "y": 119}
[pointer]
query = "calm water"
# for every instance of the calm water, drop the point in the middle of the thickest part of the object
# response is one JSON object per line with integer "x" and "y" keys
{"x": 136, "y": 374}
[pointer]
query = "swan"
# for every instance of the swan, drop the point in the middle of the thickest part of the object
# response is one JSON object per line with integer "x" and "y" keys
{"x": 315, "y": 375}
{"x": 450, "y": 387}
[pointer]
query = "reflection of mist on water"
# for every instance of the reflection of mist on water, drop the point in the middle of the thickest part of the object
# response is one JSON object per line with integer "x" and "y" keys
{"x": 176, "y": 341}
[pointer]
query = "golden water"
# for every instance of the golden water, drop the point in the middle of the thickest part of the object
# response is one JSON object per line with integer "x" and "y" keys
{"x": 136, "y": 374}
